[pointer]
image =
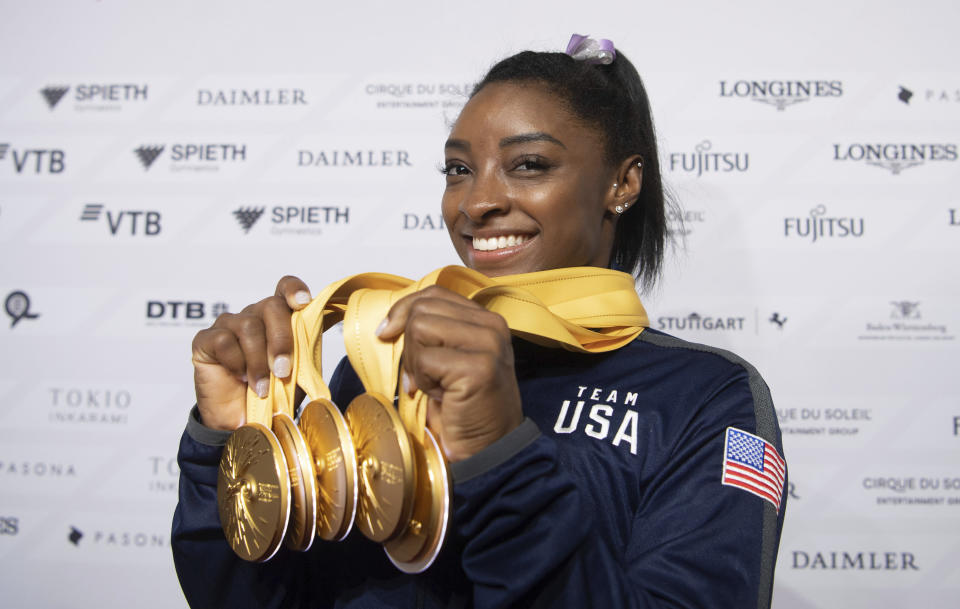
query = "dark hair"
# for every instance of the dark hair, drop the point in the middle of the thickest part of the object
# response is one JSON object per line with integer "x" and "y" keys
{"x": 611, "y": 98}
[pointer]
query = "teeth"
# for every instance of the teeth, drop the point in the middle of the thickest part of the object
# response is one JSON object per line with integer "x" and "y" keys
{"x": 496, "y": 243}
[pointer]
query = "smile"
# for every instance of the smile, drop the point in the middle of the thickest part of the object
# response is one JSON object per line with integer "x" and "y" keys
{"x": 497, "y": 243}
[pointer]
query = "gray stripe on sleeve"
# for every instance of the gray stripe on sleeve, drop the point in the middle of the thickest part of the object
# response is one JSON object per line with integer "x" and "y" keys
{"x": 497, "y": 453}
{"x": 203, "y": 434}
{"x": 766, "y": 421}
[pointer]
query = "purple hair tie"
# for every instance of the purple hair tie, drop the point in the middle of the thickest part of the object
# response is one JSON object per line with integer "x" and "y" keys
{"x": 584, "y": 48}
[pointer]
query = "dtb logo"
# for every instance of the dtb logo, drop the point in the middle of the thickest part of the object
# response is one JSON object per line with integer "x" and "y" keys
{"x": 190, "y": 310}
{"x": 135, "y": 222}
{"x": 34, "y": 160}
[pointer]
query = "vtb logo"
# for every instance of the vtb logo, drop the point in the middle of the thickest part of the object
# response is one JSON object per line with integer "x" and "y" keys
{"x": 139, "y": 222}
{"x": 34, "y": 160}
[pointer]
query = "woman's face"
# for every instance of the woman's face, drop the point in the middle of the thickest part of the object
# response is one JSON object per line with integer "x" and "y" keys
{"x": 528, "y": 188}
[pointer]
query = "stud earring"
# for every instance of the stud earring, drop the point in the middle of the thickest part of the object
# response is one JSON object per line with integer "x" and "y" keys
{"x": 619, "y": 209}
{"x": 615, "y": 185}
{"x": 640, "y": 164}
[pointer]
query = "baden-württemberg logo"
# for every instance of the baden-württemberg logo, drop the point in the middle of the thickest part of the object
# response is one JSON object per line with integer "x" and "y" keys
{"x": 895, "y": 157}
{"x": 818, "y": 225}
{"x": 95, "y": 97}
{"x": 704, "y": 160}
{"x": 781, "y": 93}
{"x": 905, "y": 322}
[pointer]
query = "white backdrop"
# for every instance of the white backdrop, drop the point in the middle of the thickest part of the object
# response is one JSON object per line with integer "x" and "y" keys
{"x": 822, "y": 222}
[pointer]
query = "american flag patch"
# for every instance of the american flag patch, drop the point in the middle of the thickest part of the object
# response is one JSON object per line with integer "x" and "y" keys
{"x": 754, "y": 465}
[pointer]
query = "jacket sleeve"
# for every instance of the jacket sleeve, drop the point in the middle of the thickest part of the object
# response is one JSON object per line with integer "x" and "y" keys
{"x": 532, "y": 526}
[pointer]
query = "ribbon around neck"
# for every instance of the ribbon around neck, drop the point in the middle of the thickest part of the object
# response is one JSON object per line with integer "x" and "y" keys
{"x": 585, "y": 309}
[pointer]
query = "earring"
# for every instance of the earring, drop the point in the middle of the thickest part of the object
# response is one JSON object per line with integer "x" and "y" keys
{"x": 640, "y": 164}
{"x": 619, "y": 209}
{"x": 615, "y": 185}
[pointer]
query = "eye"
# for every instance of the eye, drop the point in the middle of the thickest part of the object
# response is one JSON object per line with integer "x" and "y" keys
{"x": 453, "y": 169}
{"x": 532, "y": 163}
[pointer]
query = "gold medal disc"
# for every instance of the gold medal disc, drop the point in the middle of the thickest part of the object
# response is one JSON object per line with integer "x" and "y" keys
{"x": 420, "y": 542}
{"x": 385, "y": 467}
{"x": 253, "y": 493}
{"x": 335, "y": 467}
{"x": 303, "y": 483}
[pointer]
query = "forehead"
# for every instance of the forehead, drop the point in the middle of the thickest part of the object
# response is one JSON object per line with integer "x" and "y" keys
{"x": 510, "y": 108}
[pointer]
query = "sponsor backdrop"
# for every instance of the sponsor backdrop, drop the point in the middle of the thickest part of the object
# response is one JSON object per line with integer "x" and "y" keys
{"x": 161, "y": 165}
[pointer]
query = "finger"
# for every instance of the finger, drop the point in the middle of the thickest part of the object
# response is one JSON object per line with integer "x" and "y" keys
{"x": 294, "y": 292}
{"x": 275, "y": 313}
{"x": 439, "y": 370}
{"x": 485, "y": 332}
{"x": 220, "y": 346}
{"x": 251, "y": 336}
{"x": 433, "y": 298}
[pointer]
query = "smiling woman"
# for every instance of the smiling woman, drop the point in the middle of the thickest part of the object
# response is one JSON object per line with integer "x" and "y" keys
{"x": 648, "y": 475}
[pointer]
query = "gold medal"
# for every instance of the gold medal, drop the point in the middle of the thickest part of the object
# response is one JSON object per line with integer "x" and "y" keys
{"x": 335, "y": 465}
{"x": 415, "y": 549}
{"x": 303, "y": 483}
{"x": 253, "y": 493}
{"x": 385, "y": 466}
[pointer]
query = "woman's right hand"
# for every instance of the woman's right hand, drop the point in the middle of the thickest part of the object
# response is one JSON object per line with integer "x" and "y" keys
{"x": 241, "y": 349}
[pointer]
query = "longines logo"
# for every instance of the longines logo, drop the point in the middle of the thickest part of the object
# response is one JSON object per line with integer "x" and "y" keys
{"x": 818, "y": 226}
{"x": 86, "y": 406}
{"x": 117, "y": 539}
{"x": 781, "y": 93}
{"x": 906, "y": 322}
{"x": 37, "y": 469}
{"x": 96, "y": 97}
{"x": 704, "y": 160}
{"x": 895, "y": 157}
{"x": 414, "y": 221}
{"x": 930, "y": 95}
{"x": 17, "y": 306}
{"x": 163, "y": 474}
{"x": 818, "y": 421}
{"x": 294, "y": 219}
{"x": 193, "y": 157}
{"x": 353, "y": 158}
{"x": 842, "y": 560}
{"x": 696, "y": 322}
{"x": 913, "y": 490}
{"x": 183, "y": 312}
{"x": 35, "y": 161}
{"x": 133, "y": 222}
{"x": 251, "y": 97}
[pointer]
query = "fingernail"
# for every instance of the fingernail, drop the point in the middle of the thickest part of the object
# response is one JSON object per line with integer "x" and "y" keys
{"x": 407, "y": 383}
{"x": 302, "y": 297}
{"x": 281, "y": 366}
{"x": 262, "y": 387}
{"x": 381, "y": 327}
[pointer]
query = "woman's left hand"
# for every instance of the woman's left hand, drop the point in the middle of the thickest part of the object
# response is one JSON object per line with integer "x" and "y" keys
{"x": 460, "y": 355}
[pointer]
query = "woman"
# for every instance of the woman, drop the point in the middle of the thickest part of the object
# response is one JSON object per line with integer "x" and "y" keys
{"x": 579, "y": 480}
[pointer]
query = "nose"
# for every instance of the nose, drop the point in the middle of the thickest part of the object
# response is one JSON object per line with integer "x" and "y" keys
{"x": 485, "y": 197}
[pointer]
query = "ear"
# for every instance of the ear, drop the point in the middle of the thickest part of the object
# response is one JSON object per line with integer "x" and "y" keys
{"x": 628, "y": 185}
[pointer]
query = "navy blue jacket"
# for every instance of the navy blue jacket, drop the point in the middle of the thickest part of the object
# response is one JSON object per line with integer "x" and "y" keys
{"x": 608, "y": 495}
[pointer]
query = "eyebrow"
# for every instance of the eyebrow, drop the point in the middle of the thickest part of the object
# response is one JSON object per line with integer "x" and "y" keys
{"x": 522, "y": 138}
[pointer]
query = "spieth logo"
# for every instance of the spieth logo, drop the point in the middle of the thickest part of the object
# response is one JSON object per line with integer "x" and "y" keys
{"x": 248, "y": 216}
{"x": 781, "y": 93}
{"x": 147, "y": 155}
{"x": 904, "y": 309}
{"x": 251, "y": 97}
{"x": 353, "y": 158}
{"x": 17, "y": 306}
{"x": 196, "y": 157}
{"x": 53, "y": 95}
{"x": 895, "y": 157}
{"x": 95, "y": 96}
{"x": 818, "y": 226}
{"x": 702, "y": 160}
{"x": 138, "y": 222}
{"x": 696, "y": 322}
{"x": 35, "y": 160}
